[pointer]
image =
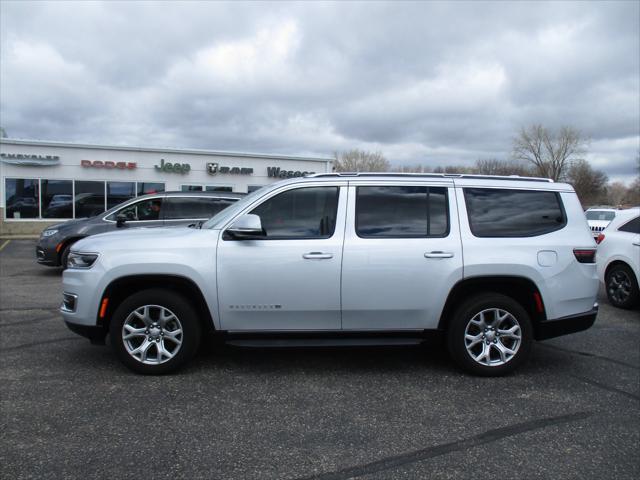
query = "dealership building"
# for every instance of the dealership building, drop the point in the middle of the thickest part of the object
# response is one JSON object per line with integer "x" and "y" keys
{"x": 47, "y": 182}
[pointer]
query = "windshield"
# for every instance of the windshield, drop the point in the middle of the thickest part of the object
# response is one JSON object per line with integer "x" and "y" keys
{"x": 600, "y": 215}
{"x": 221, "y": 217}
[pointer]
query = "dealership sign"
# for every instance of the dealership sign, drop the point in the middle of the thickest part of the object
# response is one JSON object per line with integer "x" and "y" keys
{"x": 278, "y": 173}
{"x": 214, "y": 168}
{"x": 108, "y": 164}
{"x": 173, "y": 167}
{"x": 25, "y": 159}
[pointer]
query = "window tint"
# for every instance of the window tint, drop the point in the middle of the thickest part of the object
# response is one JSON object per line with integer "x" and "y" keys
{"x": 632, "y": 226}
{"x": 57, "y": 198}
{"x": 401, "y": 211}
{"x": 89, "y": 198}
{"x": 149, "y": 209}
{"x": 118, "y": 192}
{"x": 194, "y": 207}
{"x": 21, "y": 198}
{"x": 301, "y": 213}
{"x": 513, "y": 213}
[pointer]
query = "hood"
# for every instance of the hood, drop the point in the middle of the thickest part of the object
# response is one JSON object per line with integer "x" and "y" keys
{"x": 145, "y": 239}
{"x": 67, "y": 224}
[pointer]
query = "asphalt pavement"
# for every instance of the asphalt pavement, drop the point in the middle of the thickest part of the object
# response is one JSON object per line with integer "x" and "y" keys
{"x": 71, "y": 410}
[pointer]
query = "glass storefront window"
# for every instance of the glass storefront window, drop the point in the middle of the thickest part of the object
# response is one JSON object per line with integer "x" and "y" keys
{"x": 89, "y": 199}
{"x": 21, "y": 198}
{"x": 118, "y": 192}
{"x": 191, "y": 188}
{"x": 219, "y": 188}
{"x": 57, "y": 198}
{"x": 150, "y": 187}
{"x": 253, "y": 188}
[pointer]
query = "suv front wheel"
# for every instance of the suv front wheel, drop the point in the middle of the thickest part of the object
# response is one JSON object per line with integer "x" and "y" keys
{"x": 490, "y": 335}
{"x": 155, "y": 331}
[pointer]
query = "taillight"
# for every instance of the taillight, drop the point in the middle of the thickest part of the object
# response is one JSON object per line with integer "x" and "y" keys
{"x": 585, "y": 255}
{"x": 600, "y": 238}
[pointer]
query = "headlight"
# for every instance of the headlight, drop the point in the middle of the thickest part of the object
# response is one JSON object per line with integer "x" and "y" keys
{"x": 48, "y": 233}
{"x": 81, "y": 260}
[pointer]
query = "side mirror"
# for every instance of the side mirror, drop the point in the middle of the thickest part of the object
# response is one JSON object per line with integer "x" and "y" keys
{"x": 120, "y": 219}
{"x": 247, "y": 226}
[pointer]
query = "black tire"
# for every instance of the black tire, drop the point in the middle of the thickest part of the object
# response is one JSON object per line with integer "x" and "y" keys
{"x": 622, "y": 286}
{"x": 65, "y": 255}
{"x": 462, "y": 317}
{"x": 178, "y": 305}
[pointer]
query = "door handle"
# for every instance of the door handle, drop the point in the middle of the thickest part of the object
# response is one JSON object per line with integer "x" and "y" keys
{"x": 317, "y": 256}
{"x": 438, "y": 254}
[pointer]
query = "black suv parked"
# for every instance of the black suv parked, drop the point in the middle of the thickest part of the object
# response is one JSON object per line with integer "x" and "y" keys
{"x": 155, "y": 210}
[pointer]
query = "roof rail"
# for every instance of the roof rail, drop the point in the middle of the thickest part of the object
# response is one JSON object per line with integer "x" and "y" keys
{"x": 430, "y": 175}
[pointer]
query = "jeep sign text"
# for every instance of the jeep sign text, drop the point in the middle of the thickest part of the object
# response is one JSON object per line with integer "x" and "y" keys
{"x": 173, "y": 167}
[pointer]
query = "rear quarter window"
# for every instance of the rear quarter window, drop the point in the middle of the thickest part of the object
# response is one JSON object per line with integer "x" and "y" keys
{"x": 632, "y": 226}
{"x": 513, "y": 213}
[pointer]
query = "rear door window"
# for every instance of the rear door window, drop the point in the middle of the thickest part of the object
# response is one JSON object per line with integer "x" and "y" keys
{"x": 401, "y": 212}
{"x": 496, "y": 212}
{"x": 194, "y": 208}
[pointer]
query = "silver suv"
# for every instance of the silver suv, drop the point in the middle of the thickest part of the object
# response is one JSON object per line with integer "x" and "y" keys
{"x": 488, "y": 264}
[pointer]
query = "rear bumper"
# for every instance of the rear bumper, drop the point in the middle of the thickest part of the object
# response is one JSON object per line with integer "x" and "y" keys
{"x": 566, "y": 325}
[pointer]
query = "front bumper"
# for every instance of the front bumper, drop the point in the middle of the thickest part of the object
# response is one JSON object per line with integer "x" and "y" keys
{"x": 95, "y": 334}
{"x": 565, "y": 325}
{"x": 46, "y": 254}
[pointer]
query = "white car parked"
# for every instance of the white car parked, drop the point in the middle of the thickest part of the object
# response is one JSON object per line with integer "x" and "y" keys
{"x": 598, "y": 219}
{"x": 618, "y": 258}
{"x": 487, "y": 263}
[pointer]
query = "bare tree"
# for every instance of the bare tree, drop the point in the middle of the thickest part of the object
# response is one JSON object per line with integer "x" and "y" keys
{"x": 589, "y": 184}
{"x": 493, "y": 166}
{"x": 360, "y": 161}
{"x": 616, "y": 192}
{"x": 550, "y": 153}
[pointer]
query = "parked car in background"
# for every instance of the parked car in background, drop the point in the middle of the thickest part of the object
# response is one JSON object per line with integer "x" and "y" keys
{"x": 618, "y": 258}
{"x": 154, "y": 210}
{"x": 598, "y": 218}
{"x": 347, "y": 259}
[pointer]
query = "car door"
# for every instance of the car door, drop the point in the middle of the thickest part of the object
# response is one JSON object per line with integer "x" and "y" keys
{"x": 289, "y": 279}
{"x": 402, "y": 254}
{"x": 189, "y": 209}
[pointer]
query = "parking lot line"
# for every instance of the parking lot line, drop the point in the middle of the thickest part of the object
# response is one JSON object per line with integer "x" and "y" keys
{"x": 6, "y": 242}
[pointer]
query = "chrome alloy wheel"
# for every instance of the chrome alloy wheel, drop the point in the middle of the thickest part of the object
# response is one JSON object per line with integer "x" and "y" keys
{"x": 152, "y": 334}
{"x": 493, "y": 337}
{"x": 619, "y": 287}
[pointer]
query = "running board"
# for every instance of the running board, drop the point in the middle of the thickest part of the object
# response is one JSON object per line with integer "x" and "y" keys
{"x": 323, "y": 342}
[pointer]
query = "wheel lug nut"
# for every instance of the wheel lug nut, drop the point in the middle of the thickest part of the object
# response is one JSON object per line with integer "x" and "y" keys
{"x": 495, "y": 341}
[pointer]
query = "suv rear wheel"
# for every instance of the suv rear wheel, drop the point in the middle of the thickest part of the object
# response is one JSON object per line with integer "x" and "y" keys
{"x": 155, "y": 331}
{"x": 490, "y": 335}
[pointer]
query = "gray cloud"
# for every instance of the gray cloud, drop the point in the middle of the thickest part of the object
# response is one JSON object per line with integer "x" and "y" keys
{"x": 429, "y": 83}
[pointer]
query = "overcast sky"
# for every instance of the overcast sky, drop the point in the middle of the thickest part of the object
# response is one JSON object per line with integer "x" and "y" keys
{"x": 425, "y": 83}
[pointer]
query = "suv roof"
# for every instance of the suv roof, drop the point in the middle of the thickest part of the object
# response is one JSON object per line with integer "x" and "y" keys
{"x": 195, "y": 194}
{"x": 430, "y": 175}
